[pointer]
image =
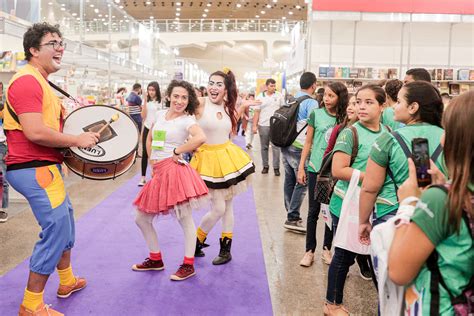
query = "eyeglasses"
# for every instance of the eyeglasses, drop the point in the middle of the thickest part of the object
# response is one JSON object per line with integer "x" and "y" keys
{"x": 55, "y": 45}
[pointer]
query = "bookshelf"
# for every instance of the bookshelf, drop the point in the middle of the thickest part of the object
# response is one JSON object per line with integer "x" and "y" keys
{"x": 447, "y": 80}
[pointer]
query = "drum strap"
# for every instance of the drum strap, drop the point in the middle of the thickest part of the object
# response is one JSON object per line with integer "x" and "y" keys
{"x": 67, "y": 95}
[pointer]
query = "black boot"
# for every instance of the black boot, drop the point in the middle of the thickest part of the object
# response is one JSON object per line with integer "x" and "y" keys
{"x": 198, "y": 252}
{"x": 224, "y": 254}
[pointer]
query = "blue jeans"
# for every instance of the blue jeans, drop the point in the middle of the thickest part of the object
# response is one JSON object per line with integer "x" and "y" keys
{"x": 138, "y": 120}
{"x": 341, "y": 262}
{"x": 293, "y": 191}
{"x": 313, "y": 214}
{"x": 3, "y": 152}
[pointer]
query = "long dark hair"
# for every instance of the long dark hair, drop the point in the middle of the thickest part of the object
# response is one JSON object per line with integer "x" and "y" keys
{"x": 458, "y": 152}
{"x": 231, "y": 99}
{"x": 340, "y": 90}
{"x": 156, "y": 86}
{"x": 430, "y": 104}
{"x": 193, "y": 101}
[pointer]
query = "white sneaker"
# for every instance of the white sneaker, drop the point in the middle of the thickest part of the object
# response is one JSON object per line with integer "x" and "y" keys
{"x": 142, "y": 182}
{"x": 326, "y": 256}
{"x": 3, "y": 216}
{"x": 308, "y": 259}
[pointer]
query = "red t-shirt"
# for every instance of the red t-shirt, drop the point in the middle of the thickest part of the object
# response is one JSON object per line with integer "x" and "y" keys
{"x": 26, "y": 96}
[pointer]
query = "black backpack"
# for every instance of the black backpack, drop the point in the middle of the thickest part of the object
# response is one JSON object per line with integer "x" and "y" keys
{"x": 325, "y": 182}
{"x": 463, "y": 304}
{"x": 283, "y": 131}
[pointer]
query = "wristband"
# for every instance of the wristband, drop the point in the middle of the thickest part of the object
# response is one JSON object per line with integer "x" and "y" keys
{"x": 409, "y": 200}
{"x": 406, "y": 211}
{"x": 174, "y": 152}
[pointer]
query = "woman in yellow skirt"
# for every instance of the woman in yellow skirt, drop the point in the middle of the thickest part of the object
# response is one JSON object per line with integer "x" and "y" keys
{"x": 224, "y": 167}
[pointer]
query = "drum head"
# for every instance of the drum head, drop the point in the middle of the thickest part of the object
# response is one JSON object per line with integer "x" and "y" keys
{"x": 117, "y": 140}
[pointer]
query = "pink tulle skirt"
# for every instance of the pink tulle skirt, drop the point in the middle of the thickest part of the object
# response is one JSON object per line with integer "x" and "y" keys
{"x": 175, "y": 189}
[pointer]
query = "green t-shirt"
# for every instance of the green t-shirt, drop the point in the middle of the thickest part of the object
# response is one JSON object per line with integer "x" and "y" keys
{"x": 456, "y": 252}
{"x": 323, "y": 123}
{"x": 344, "y": 143}
{"x": 387, "y": 119}
{"x": 387, "y": 152}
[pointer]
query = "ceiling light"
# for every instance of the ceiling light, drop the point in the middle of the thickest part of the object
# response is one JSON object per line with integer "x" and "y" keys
{"x": 275, "y": 1}
{"x": 148, "y": 2}
{"x": 290, "y": 13}
{"x": 178, "y": 3}
{"x": 117, "y": 1}
{"x": 262, "y": 12}
{"x": 298, "y": 7}
{"x": 208, "y": 4}
{"x": 269, "y": 6}
{"x": 204, "y": 15}
{"x": 178, "y": 9}
{"x": 74, "y": 14}
{"x": 121, "y": 7}
{"x": 91, "y": 5}
{"x": 152, "y": 17}
{"x": 63, "y": 9}
{"x": 78, "y": 19}
{"x": 96, "y": 10}
{"x": 257, "y": 16}
{"x": 283, "y": 18}
{"x": 178, "y": 14}
{"x": 100, "y": 15}
{"x": 238, "y": 5}
{"x": 252, "y": 21}
{"x": 177, "y": 19}
{"x": 50, "y": 3}
{"x": 206, "y": 10}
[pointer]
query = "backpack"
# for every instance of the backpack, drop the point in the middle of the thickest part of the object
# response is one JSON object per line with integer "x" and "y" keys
{"x": 325, "y": 182}
{"x": 283, "y": 123}
{"x": 463, "y": 304}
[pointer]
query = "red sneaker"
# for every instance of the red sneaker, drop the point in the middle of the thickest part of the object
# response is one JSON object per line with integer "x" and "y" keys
{"x": 148, "y": 265}
{"x": 64, "y": 291}
{"x": 185, "y": 271}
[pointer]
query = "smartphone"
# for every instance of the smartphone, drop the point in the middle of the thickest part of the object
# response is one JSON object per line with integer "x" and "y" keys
{"x": 421, "y": 158}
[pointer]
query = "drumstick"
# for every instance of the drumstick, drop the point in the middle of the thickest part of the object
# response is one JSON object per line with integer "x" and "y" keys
{"x": 113, "y": 119}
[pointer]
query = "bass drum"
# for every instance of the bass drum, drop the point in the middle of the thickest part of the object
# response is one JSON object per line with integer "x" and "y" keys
{"x": 116, "y": 151}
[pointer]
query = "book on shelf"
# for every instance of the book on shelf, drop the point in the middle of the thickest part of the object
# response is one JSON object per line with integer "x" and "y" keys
{"x": 20, "y": 60}
{"x": 345, "y": 72}
{"x": 471, "y": 74}
{"x": 463, "y": 74}
{"x": 392, "y": 73}
{"x": 439, "y": 74}
{"x": 331, "y": 72}
{"x": 448, "y": 74}
{"x": 443, "y": 87}
{"x": 323, "y": 72}
{"x": 454, "y": 89}
{"x": 7, "y": 61}
{"x": 338, "y": 72}
{"x": 353, "y": 73}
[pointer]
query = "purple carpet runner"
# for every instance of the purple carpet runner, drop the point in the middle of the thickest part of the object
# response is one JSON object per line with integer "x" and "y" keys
{"x": 108, "y": 243}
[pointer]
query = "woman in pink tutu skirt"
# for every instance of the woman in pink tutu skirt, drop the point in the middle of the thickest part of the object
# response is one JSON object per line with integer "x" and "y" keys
{"x": 176, "y": 188}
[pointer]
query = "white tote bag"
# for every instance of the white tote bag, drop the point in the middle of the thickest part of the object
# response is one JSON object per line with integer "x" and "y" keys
{"x": 347, "y": 233}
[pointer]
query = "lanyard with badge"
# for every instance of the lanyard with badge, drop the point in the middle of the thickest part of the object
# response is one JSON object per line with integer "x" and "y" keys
{"x": 158, "y": 141}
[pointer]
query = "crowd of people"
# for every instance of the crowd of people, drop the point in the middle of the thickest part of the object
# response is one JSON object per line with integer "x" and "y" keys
{"x": 365, "y": 141}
